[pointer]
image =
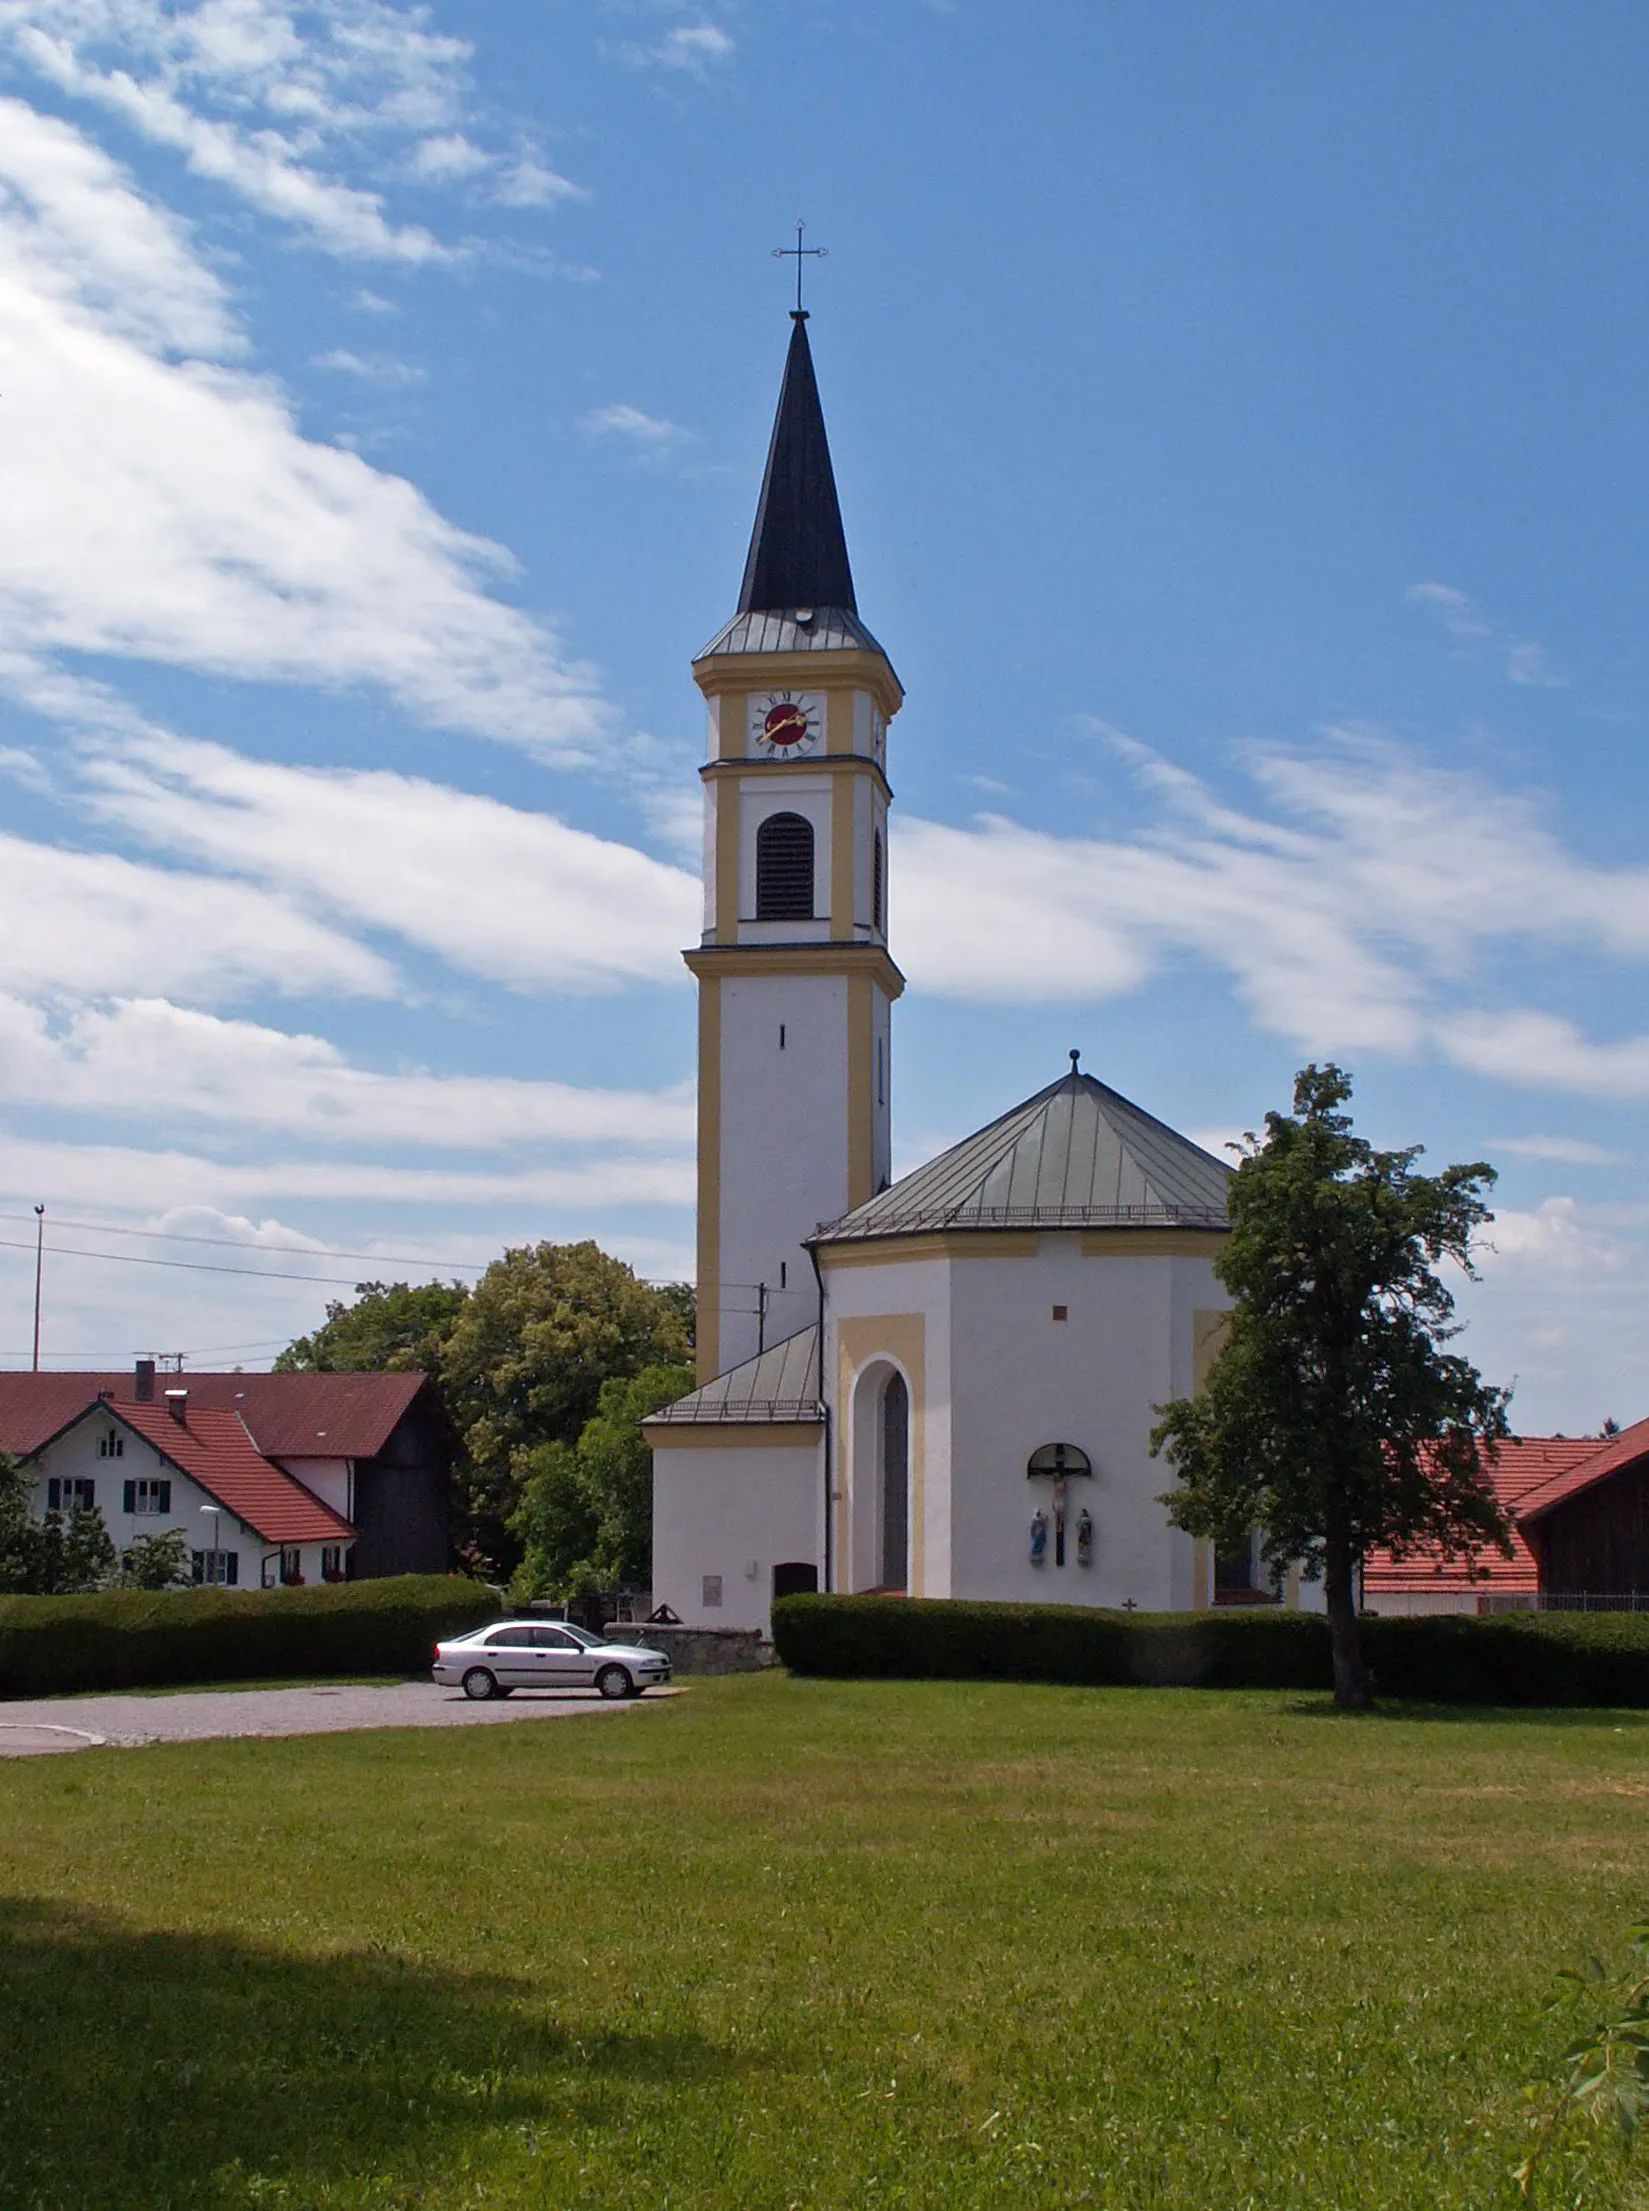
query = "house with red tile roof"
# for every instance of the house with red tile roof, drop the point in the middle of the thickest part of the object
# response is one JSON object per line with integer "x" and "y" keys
{"x": 153, "y": 1467}
{"x": 349, "y": 1473}
{"x": 1579, "y": 1507}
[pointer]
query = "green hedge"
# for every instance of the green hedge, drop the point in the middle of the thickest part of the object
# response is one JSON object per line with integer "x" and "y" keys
{"x": 137, "y": 1639}
{"x": 1521, "y": 1658}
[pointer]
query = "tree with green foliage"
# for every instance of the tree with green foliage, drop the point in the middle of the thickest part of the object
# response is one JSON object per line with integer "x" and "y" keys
{"x": 161, "y": 1561}
{"x": 60, "y": 1554}
{"x": 1333, "y": 1420}
{"x": 524, "y": 1366}
{"x": 585, "y": 1520}
{"x": 392, "y": 1328}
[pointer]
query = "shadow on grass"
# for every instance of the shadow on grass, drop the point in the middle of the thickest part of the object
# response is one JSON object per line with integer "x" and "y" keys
{"x": 1613, "y": 1718}
{"x": 201, "y": 2070}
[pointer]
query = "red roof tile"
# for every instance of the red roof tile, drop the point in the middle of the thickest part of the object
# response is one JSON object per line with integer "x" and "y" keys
{"x": 1608, "y": 1457}
{"x": 1526, "y": 1465}
{"x": 290, "y": 1416}
{"x": 214, "y": 1449}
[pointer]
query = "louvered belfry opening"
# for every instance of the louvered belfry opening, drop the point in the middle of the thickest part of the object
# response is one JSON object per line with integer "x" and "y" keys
{"x": 784, "y": 869}
{"x": 878, "y": 893}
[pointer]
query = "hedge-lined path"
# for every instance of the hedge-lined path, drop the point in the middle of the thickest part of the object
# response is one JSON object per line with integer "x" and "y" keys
{"x": 46, "y": 1724}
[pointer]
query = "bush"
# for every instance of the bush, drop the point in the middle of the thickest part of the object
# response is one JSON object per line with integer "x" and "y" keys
{"x": 1526, "y": 1658}
{"x": 139, "y": 1639}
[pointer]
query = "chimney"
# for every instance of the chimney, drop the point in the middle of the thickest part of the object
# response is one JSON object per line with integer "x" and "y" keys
{"x": 177, "y": 1404}
{"x": 143, "y": 1381}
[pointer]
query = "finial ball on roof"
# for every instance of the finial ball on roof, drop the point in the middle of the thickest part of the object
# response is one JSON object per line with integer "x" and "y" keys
{"x": 1075, "y": 1056}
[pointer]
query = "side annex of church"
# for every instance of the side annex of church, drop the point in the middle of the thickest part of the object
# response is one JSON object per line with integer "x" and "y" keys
{"x": 944, "y": 1385}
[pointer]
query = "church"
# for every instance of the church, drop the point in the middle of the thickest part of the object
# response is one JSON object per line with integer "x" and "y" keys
{"x": 943, "y": 1385}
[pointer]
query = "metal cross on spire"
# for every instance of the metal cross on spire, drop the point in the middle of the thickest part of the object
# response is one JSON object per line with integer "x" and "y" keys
{"x": 800, "y": 253}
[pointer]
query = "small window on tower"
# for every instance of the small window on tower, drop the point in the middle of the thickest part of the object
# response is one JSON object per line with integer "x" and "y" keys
{"x": 784, "y": 869}
{"x": 878, "y": 887}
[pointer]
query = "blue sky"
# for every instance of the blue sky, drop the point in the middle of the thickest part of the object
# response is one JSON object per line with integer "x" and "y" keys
{"x": 1238, "y": 422}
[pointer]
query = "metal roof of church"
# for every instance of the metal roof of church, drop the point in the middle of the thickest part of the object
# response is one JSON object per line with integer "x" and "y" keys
{"x": 779, "y": 1384}
{"x": 1077, "y": 1155}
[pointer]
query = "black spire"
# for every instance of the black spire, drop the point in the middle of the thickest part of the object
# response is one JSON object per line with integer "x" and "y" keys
{"x": 798, "y": 554}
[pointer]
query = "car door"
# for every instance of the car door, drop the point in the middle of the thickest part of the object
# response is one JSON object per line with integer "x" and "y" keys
{"x": 563, "y": 1662}
{"x": 511, "y": 1656}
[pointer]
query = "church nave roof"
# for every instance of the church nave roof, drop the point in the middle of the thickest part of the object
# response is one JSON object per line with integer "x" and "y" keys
{"x": 1077, "y": 1155}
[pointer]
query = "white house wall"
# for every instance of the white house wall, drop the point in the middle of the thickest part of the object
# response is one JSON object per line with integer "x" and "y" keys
{"x": 735, "y": 1512}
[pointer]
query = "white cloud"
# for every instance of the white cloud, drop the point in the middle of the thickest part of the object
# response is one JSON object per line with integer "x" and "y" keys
{"x": 1545, "y": 1052}
{"x": 449, "y": 155}
{"x": 106, "y": 1175}
{"x": 1525, "y": 662}
{"x": 370, "y": 368}
{"x": 278, "y": 101}
{"x": 650, "y": 436}
{"x": 493, "y": 890}
{"x": 149, "y": 1060}
{"x": 1565, "y": 1151}
{"x": 1348, "y": 914}
{"x": 695, "y": 48}
{"x": 175, "y": 513}
{"x": 82, "y": 924}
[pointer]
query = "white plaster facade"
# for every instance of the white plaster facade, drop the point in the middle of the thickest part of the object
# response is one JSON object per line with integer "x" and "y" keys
{"x": 724, "y": 1517}
{"x": 107, "y": 1455}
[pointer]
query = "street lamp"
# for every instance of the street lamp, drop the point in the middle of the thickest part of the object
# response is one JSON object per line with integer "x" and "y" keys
{"x": 217, "y": 1539}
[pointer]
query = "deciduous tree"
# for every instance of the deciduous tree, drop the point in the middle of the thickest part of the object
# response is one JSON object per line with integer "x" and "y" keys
{"x": 585, "y": 1520}
{"x": 1333, "y": 1419}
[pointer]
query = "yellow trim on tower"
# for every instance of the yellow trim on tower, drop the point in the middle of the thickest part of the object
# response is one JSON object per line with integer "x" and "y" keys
{"x": 838, "y": 722}
{"x": 842, "y": 856}
{"x": 797, "y": 959}
{"x": 707, "y": 1334}
{"x": 811, "y": 763}
{"x": 750, "y": 673}
{"x": 729, "y": 807}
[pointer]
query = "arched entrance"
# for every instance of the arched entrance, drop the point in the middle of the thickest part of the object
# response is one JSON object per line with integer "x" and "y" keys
{"x": 895, "y": 1484}
{"x": 795, "y": 1578}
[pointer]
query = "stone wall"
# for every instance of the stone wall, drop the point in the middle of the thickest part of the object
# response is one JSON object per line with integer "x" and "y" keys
{"x": 702, "y": 1650}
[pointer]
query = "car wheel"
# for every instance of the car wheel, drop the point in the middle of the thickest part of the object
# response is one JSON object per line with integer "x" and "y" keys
{"x": 479, "y": 1685}
{"x": 614, "y": 1682}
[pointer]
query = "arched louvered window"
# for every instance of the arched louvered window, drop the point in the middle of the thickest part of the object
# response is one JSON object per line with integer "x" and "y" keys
{"x": 878, "y": 887}
{"x": 784, "y": 869}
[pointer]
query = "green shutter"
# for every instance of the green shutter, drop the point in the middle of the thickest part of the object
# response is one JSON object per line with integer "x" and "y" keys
{"x": 131, "y": 1497}
{"x": 165, "y": 1497}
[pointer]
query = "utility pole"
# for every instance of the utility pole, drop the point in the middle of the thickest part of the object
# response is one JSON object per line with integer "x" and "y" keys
{"x": 761, "y": 1289}
{"x": 39, "y": 1262}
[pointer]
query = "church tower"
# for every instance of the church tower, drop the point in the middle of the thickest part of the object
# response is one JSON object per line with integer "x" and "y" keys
{"x": 794, "y": 975}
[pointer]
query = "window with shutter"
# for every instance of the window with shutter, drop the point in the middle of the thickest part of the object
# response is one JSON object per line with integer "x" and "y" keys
{"x": 784, "y": 869}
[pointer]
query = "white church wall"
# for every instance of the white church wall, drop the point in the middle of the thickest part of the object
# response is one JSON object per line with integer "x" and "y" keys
{"x": 1093, "y": 1378}
{"x": 783, "y": 1146}
{"x": 893, "y": 1313}
{"x": 722, "y": 1508}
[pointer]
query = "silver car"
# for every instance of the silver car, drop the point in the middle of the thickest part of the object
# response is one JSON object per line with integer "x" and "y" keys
{"x": 545, "y": 1654}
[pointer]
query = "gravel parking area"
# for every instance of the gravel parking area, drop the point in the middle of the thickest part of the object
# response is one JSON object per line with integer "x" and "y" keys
{"x": 44, "y": 1725}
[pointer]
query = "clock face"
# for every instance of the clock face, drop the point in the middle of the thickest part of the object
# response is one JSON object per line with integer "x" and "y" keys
{"x": 784, "y": 723}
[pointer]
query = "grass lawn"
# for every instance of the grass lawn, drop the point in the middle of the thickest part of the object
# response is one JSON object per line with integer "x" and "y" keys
{"x": 793, "y": 1943}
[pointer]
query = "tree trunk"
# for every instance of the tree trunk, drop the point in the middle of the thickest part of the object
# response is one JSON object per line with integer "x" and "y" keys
{"x": 1353, "y": 1691}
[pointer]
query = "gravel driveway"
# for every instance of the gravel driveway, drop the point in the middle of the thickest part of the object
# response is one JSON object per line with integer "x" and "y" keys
{"x": 43, "y": 1725}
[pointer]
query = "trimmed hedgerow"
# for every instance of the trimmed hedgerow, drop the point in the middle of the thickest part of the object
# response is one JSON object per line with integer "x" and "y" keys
{"x": 1527, "y": 1658}
{"x": 138, "y": 1639}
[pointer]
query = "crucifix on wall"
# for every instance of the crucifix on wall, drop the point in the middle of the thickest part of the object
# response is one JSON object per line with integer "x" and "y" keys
{"x": 1058, "y": 1463}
